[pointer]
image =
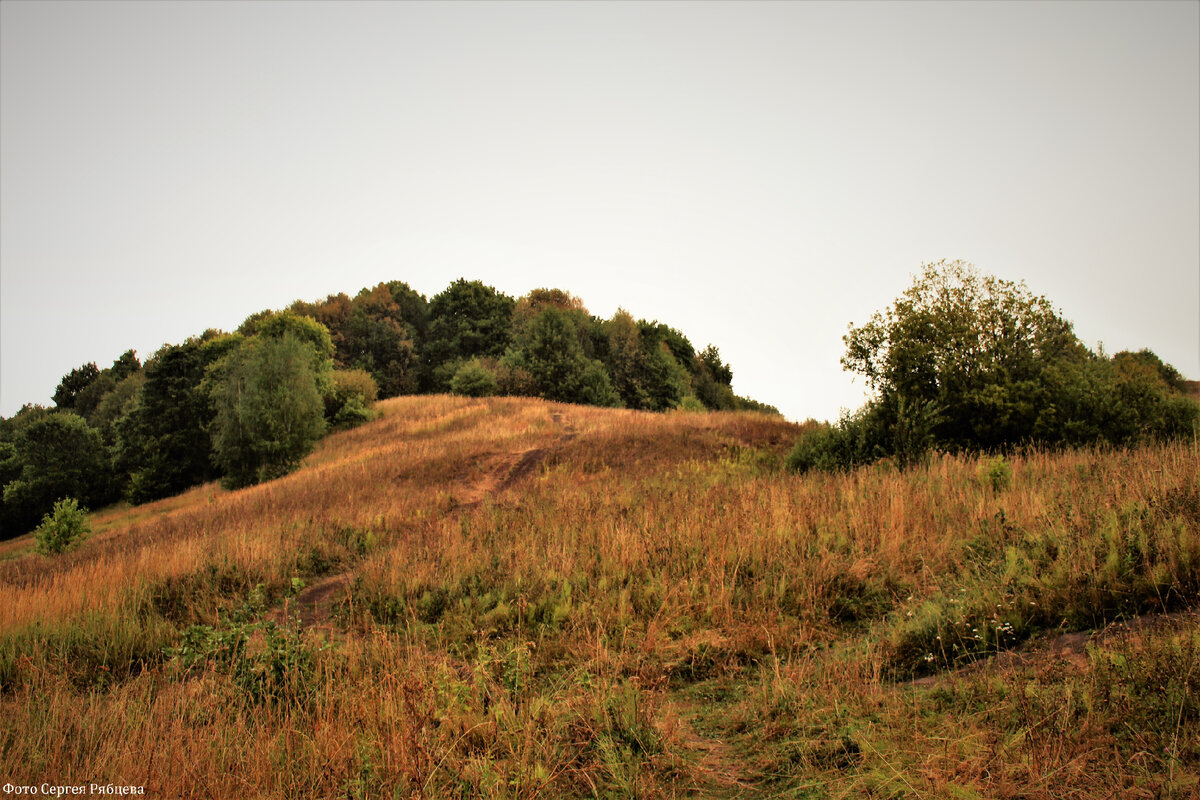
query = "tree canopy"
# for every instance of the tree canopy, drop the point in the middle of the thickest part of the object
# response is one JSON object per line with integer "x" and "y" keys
{"x": 269, "y": 407}
{"x": 966, "y": 361}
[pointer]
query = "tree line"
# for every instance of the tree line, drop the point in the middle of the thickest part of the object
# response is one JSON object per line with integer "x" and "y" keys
{"x": 247, "y": 406}
{"x": 965, "y": 361}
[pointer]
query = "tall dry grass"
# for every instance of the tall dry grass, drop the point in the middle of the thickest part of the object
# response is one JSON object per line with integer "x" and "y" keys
{"x": 655, "y": 609}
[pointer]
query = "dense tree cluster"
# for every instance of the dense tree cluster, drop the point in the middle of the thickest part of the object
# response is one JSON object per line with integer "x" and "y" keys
{"x": 248, "y": 406}
{"x": 966, "y": 361}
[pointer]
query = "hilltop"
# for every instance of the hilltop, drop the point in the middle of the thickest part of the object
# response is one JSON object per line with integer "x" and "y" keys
{"x": 510, "y": 597}
{"x": 249, "y": 405}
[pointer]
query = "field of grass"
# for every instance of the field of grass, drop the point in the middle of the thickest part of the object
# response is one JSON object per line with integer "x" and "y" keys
{"x": 508, "y": 598}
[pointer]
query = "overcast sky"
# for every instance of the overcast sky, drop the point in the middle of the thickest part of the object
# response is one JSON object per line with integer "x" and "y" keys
{"x": 758, "y": 175}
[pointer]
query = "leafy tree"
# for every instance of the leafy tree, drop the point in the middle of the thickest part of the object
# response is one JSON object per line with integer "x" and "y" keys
{"x": 710, "y": 359}
{"x": 116, "y": 404}
{"x": 126, "y": 364}
{"x": 641, "y": 356}
{"x": 163, "y": 441}
{"x": 87, "y": 400}
{"x": 551, "y": 352}
{"x": 73, "y": 383}
{"x": 712, "y": 379}
{"x": 414, "y": 308}
{"x": 279, "y": 324}
{"x": 594, "y": 386}
{"x": 1146, "y": 359}
{"x": 466, "y": 320}
{"x": 531, "y": 305}
{"x": 334, "y": 313}
{"x": 963, "y": 350}
{"x": 269, "y": 410}
{"x": 57, "y": 455}
{"x": 964, "y": 360}
{"x": 381, "y": 336}
{"x": 625, "y": 360}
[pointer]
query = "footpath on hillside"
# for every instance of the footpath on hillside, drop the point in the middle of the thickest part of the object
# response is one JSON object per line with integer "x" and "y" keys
{"x": 313, "y": 608}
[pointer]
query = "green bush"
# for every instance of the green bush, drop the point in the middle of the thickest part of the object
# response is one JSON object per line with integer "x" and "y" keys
{"x": 352, "y": 414}
{"x": 349, "y": 402}
{"x": 996, "y": 473}
{"x": 856, "y": 439}
{"x": 65, "y": 526}
{"x": 691, "y": 403}
{"x": 473, "y": 379}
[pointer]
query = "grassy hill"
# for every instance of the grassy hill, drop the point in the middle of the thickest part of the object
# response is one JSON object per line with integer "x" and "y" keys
{"x": 508, "y": 597}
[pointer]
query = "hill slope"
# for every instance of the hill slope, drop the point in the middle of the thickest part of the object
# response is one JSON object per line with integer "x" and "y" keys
{"x": 515, "y": 598}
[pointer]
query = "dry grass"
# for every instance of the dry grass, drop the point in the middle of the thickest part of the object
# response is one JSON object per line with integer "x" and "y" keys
{"x": 545, "y": 601}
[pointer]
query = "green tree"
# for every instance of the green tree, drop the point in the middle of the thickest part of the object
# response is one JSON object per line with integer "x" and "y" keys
{"x": 126, "y": 364}
{"x": 57, "y": 455}
{"x": 62, "y": 527}
{"x": 382, "y": 339}
{"x": 334, "y": 313}
{"x": 964, "y": 360}
{"x": 73, "y": 383}
{"x": 963, "y": 353}
{"x": 550, "y": 350}
{"x": 354, "y": 391}
{"x": 116, "y": 404}
{"x": 466, "y": 320}
{"x": 269, "y": 410}
{"x": 641, "y": 357}
{"x": 712, "y": 379}
{"x": 162, "y": 440}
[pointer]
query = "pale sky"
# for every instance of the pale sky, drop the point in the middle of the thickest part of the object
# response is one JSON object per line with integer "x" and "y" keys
{"x": 757, "y": 175}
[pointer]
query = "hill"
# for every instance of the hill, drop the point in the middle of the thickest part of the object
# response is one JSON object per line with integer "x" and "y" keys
{"x": 510, "y": 597}
{"x": 249, "y": 405}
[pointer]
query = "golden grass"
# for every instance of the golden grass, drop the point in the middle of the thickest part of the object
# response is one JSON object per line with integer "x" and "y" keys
{"x": 549, "y": 600}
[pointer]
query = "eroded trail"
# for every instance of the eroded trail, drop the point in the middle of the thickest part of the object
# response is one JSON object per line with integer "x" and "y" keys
{"x": 1069, "y": 649}
{"x": 314, "y": 606}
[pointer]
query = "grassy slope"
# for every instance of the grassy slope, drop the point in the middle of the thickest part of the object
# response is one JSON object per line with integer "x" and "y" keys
{"x": 512, "y": 598}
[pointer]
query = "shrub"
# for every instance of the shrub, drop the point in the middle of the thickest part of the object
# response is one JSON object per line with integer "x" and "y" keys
{"x": 64, "y": 527}
{"x": 348, "y": 404}
{"x": 691, "y": 403}
{"x": 855, "y": 440}
{"x": 352, "y": 414}
{"x": 996, "y": 473}
{"x": 473, "y": 379}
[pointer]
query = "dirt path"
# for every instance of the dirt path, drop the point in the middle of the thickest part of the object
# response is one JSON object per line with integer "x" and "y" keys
{"x": 1067, "y": 647}
{"x": 714, "y": 760}
{"x": 313, "y": 607}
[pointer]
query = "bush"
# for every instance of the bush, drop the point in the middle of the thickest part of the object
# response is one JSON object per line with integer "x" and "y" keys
{"x": 65, "y": 526}
{"x": 691, "y": 403}
{"x": 473, "y": 379}
{"x": 352, "y": 414}
{"x": 349, "y": 403}
{"x": 996, "y": 473}
{"x": 856, "y": 439}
